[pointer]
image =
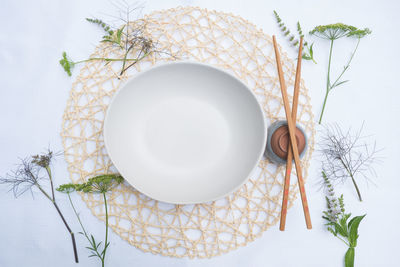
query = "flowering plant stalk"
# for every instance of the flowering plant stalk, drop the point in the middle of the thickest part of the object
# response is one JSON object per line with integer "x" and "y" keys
{"x": 100, "y": 185}
{"x": 338, "y": 222}
{"x": 347, "y": 156}
{"x": 130, "y": 38}
{"x": 333, "y": 32}
{"x": 308, "y": 52}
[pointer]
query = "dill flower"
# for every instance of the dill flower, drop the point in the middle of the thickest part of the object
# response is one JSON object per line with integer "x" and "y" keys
{"x": 338, "y": 30}
{"x": 66, "y": 63}
{"x": 100, "y": 184}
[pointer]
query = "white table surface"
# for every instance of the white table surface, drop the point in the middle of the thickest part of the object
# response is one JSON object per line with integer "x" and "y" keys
{"x": 34, "y": 91}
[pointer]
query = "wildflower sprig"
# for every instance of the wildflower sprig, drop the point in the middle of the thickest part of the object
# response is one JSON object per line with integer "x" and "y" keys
{"x": 100, "y": 184}
{"x": 339, "y": 30}
{"x": 338, "y": 221}
{"x": 29, "y": 175}
{"x": 334, "y": 32}
{"x": 347, "y": 156}
{"x": 129, "y": 38}
{"x": 102, "y": 24}
{"x": 308, "y": 53}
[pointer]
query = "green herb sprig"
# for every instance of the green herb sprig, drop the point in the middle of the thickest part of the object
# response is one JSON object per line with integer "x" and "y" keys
{"x": 130, "y": 38}
{"x": 333, "y": 32}
{"x": 338, "y": 222}
{"x": 308, "y": 53}
{"x": 98, "y": 185}
{"x": 144, "y": 45}
{"x": 103, "y": 25}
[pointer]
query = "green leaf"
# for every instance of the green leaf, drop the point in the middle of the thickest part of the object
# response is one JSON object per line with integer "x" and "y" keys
{"x": 343, "y": 224}
{"x": 331, "y": 230}
{"x": 351, "y": 222}
{"x": 310, "y": 49}
{"x": 119, "y": 33}
{"x": 340, "y": 230}
{"x": 340, "y": 83}
{"x": 353, "y": 229}
{"x": 349, "y": 258}
{"x": 102, "y": 24}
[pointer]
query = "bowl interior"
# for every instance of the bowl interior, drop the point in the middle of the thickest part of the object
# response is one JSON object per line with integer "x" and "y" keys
{"x": 184, "y": 132}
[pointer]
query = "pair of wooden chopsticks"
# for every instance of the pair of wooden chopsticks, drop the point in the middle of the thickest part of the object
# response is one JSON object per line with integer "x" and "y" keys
{"x": 293, "y": 152}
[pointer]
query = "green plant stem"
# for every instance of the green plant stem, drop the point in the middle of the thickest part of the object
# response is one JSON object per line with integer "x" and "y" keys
{"x": 83, "y": 228}
{"x": 337, "y": 82}
{"x": 355, "y": 185}
{"x": 60, "y": 213}
{"x": 48, "y": 170}
{"x": 124, "y": 59}
{"x": 323, "y": 106}
{"x": 344, "y": 241}
{"x": 69, "y": 230}
{"x": 106, "y": 59}
{"x": 347, "y": 66}
{"x": 352, "y": 179}
{"x": 106, "y": 239}
{"x": 349, "y": 257}
{"x": 133, "y": 63}
{"x": 328, "y": 82}
{"x": 77, "y": 215}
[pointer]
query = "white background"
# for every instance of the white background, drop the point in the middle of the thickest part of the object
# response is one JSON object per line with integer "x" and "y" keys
{"x": 34, "y": 90}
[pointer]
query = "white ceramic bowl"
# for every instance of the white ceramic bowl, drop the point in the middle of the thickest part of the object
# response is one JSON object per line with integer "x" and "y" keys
{"x": 185, "y": 132}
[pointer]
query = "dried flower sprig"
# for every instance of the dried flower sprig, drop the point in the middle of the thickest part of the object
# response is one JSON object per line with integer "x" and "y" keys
{"x": 334, "y": 32}
{"x": 337, "y": 221}
{"x": 130, "y": 38}
{"x": 29, "y": 175}
{"x": 347, "y": 156}
{"x": 308, "y": 53}
{"x": 99, "y": 184}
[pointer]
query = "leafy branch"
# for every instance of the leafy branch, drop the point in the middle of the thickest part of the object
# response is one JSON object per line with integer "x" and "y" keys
{"x": 334, "y": 32}
{"x": 101, "y": 185}
{"x": 130, "y": 38}
{"x": 338, "y": 221}
{"x": 308, "y": 53}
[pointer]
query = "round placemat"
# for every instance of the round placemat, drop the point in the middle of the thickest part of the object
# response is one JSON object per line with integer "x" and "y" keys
{"x": 202, "y": 230}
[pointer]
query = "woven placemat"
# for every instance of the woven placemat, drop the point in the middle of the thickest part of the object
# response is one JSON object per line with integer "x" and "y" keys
{"x": 203, "y": 230}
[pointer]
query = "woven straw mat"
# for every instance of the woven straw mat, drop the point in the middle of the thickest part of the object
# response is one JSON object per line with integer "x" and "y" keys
{"x": 203, "y": 230}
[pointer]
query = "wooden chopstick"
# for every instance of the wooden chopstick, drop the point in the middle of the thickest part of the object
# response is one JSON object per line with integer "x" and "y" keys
{"x": 293, "y": 142}
{"x": 289, "y": 161}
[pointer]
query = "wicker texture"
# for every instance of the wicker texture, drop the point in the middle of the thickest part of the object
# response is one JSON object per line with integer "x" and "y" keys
{"x": 202, "y": 230}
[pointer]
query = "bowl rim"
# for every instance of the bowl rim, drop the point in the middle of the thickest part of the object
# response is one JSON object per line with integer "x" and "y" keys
{"x": 187, "y": 62}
